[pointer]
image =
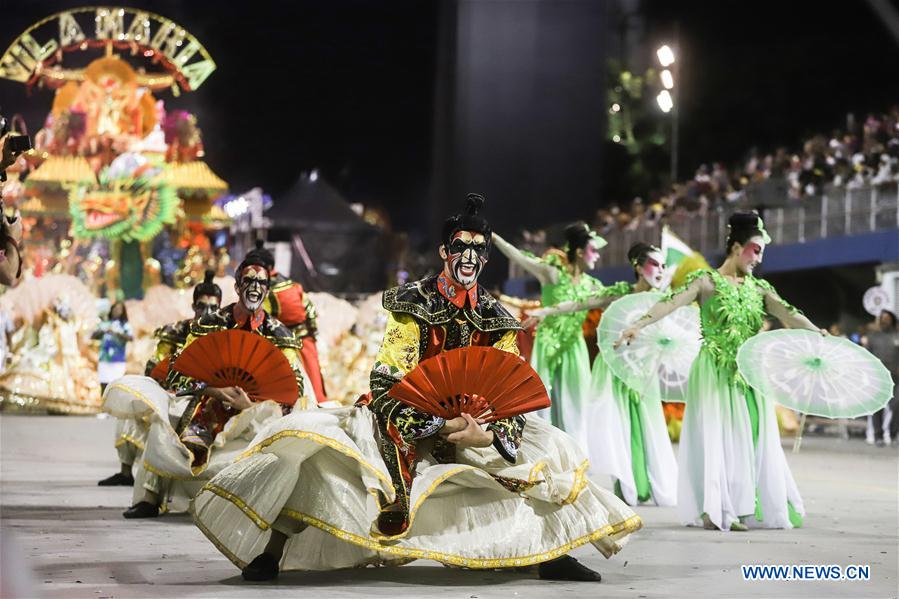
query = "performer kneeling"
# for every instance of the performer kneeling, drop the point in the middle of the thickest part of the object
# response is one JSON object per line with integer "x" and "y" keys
{"x": 131, "y": 431}
{"x": 217, "y": 419}
{"x": 384, "y": 482}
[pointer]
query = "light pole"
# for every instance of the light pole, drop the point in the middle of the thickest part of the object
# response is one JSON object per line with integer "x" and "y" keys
{"x": 667, "y": 98}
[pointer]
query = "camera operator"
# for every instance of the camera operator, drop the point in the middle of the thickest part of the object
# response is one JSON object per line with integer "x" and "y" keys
{"x": 10, "y": 227}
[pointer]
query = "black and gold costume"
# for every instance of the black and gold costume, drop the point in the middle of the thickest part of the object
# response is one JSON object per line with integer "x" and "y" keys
{"x": 425, "y": 319}
{"x": 170, "y": 338}
{"x": 230, "y": 317}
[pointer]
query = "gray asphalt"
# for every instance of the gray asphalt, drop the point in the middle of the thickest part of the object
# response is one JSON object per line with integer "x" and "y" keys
{"x": 64, "y": 537}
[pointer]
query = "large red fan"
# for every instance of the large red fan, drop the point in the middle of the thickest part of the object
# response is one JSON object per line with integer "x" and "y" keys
{"x": 444, "y": 385}
{"x": 240, "y": 359}
{"x": 160, "y": 372}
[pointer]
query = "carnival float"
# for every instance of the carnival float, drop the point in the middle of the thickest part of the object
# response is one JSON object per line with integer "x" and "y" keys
{"x": 116, "y": 199}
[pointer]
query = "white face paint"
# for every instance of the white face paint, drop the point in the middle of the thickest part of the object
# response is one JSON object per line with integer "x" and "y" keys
{"x": 653, "y": 270}
{"x": 253, "y": 287}
{"x": 591, "y": 255}
{"x": 752, "y": 254}
{"x": 466, "y": 257}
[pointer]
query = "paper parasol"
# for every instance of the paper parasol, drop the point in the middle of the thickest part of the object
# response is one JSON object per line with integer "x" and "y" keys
{"x": 814, "y": 374}
{"x": 661, "y": 354}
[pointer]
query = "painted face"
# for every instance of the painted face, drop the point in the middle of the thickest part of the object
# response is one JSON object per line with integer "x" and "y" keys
{"x": 752, "y": 254}
{"x": 590, "y": 255}
{"x": 465, "y": 257}
{"x": 253, "y": 287}
{"x": 653, "y": 270}
{"x": 204, "y": 305}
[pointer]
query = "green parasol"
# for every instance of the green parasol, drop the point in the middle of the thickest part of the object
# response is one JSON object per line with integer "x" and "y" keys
{"x": 815, "y": 374}
{"x": 661, "y": 354}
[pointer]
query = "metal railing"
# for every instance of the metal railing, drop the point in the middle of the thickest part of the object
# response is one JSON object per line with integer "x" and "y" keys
{"x": 836, "y": 213}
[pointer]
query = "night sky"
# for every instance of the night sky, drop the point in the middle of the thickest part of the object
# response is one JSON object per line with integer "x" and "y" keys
{"x": 346, "y": 86}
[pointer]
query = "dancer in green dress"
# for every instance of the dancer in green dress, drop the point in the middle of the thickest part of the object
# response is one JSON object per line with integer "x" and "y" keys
{"x": 625, "y": 434}
{"x": 733, "y": 471}
{"x": 560, "y": 353}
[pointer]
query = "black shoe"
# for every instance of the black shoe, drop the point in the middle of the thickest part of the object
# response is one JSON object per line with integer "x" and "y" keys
{"x": 142, "y": 509}
{"x": 567, "y": 568}
{"x": 117, "y": 480}
{"x": 263, "y": 567}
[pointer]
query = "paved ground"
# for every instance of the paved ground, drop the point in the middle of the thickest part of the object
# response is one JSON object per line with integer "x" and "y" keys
{"x": 71, "y": 534}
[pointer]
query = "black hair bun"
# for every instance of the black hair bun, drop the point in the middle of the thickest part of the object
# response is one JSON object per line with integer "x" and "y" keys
{"x": 260, "y": 244}
{"x": 474, "y": 203}
{"x": 577, "y": 235}
{"x": 743, "y": 221}
{"x": 208, "y": 276}
{"x": 639, "y": 251}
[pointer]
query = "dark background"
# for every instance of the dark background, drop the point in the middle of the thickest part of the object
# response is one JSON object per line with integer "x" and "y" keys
{"x": 348, "y": 86}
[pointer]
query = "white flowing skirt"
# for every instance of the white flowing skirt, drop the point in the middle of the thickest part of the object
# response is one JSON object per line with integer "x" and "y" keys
{"x": 720, "y": 468}
{"x": 318, "y": 474}
{"x": 165, "y": 457}
{"x": 606, "y": 436}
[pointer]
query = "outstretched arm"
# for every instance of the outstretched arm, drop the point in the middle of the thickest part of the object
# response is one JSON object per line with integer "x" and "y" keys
{"x": 790, "y": 316}
{"x": 684, "y": 296}
{"x": 545, "y": 273}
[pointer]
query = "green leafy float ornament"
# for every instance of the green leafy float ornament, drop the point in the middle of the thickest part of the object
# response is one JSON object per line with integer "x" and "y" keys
{"x": 130, "y": 203}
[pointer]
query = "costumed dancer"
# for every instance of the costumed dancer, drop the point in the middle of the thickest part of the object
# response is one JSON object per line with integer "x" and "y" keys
{"x": 288, "y": 302}
{"x": 625, "y": 434}
{"x": 733, "y": 472}
{"x": 218, "y": 423}
{"x": 560, "y": 353}
{"x": 131, "y": 432}
{"x": 384, "y": 483}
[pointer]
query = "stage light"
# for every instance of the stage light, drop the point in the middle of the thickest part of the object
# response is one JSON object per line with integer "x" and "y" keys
{"x": 667, "y": 79}
{"x": 616, "y": 107}
{"x": 665, "y": 101}
{"x": 666, "y": 56}
{"x": 616, "y": 138}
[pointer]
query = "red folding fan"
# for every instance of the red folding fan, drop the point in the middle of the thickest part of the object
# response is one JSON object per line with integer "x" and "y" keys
{"x": 161, "y": 371}
{"x": 240, "y": 359}
{"x": 444, "y": 385}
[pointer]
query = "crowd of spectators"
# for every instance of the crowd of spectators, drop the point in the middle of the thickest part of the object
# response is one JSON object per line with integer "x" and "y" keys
{"x": 859, "y": 156}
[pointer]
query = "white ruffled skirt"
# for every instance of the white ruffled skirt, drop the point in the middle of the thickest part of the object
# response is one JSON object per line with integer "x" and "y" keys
{"x": 165, "y": 467}
{"x": 317, "y": 475}
{"x": 723, "y": 473}
{"x": 606, "y": 436}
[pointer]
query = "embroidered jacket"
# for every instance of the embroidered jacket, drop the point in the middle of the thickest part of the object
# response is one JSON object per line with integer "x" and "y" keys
{"x": 426, "y": 318}
{"x": 169, "y": 339}
{"x": 234, "y": 317}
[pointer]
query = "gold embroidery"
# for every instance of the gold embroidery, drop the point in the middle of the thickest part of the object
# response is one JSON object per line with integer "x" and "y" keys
{"x": 580, "y": 481}
{"x": 240, "y": 503}
{"x": 133, "y": 392}
{"x": 123, "y": 438}
{"x": 321, "y": 439}
{"x": 630, "y": 525}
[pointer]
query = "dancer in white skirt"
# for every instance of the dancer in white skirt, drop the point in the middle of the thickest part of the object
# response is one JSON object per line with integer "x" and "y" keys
{"x": 385, "y": 483}
{"x": 733, "y": 472}
{"x": 132, "y": 431}
{"x": 624, "y": 434}
{"x": 180, "y": 453}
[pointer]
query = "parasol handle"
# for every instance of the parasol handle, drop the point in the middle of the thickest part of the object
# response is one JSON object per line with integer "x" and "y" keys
{"x": 797, "y": 443}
